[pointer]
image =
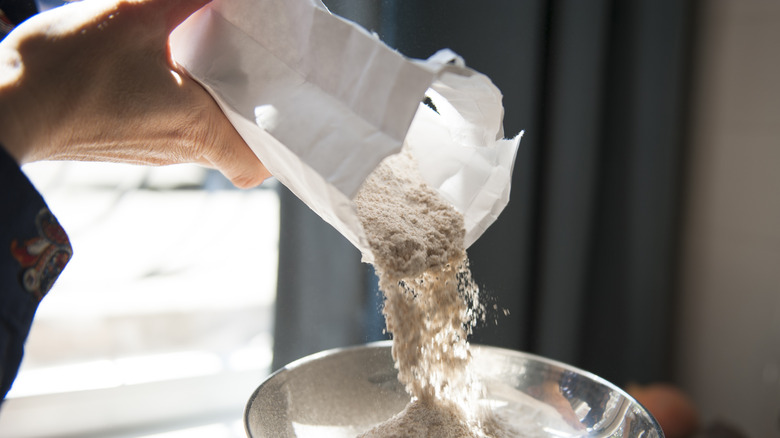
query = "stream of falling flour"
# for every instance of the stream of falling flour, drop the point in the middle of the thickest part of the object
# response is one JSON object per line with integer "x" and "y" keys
{"x": 431, "y": 303}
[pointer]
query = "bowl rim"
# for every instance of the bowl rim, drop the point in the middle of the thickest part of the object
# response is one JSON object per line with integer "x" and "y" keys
{"x": 504, "y": 351}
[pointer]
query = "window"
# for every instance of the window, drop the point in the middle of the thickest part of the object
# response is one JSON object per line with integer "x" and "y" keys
{"x": 163, "y": 318}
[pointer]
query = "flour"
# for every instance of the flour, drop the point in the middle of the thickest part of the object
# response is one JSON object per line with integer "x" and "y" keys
{"x": 424, "y": 419}
{"x": 410, "y": 229}
{"x": 431, "y": 302}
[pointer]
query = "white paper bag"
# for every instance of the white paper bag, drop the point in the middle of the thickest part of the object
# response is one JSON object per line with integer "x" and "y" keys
{"x": 321, "y": 102}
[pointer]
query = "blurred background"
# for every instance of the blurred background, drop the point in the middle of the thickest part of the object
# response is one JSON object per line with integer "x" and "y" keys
{"x": 641, "y": 242}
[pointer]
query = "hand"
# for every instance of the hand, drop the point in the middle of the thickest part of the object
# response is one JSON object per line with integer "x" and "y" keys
{"x": 94, "y": 81}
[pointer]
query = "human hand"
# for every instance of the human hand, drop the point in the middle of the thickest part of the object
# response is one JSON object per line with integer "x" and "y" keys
{"x": 94, "y": 81}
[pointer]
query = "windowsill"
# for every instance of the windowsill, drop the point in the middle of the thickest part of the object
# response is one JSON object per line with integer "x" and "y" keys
{"x": 135, "y": 410}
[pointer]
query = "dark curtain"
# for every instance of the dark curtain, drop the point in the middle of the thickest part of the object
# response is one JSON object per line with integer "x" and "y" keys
{"x": 584, "y": 255}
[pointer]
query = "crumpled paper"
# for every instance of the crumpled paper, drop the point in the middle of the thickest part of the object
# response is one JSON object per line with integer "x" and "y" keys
{"x": 321, "y": 102}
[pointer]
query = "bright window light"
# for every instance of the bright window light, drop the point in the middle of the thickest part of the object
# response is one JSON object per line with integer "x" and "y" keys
{"x": 173, "y": 279}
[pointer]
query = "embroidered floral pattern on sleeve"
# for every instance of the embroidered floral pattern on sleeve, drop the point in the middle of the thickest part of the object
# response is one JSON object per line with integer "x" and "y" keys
{"x": 42, "y": 258}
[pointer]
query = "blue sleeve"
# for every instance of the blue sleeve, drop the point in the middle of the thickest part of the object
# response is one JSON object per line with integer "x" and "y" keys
{"x": 33, "y": 251}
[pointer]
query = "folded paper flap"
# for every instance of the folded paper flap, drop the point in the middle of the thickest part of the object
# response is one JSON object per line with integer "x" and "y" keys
{"x": 463, "y": 161}
{"x": 322, "y": 102}
{"x": 441, "y": 60}
{"x": 474, "y": 100}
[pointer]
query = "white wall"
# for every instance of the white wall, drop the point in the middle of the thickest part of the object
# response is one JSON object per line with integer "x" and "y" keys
{"x": 729, "y": 330}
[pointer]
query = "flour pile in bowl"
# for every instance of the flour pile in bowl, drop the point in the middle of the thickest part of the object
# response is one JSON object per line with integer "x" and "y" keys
{"x": 431, "y": 303}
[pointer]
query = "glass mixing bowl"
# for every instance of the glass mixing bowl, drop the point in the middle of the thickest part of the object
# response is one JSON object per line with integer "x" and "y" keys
{"x": 343, "y": 392}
